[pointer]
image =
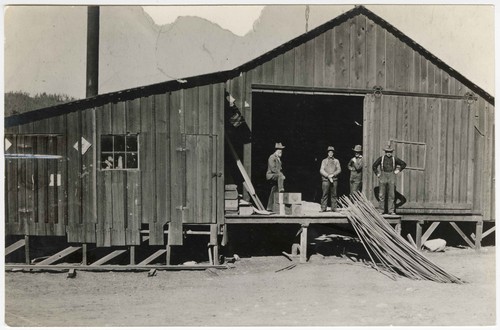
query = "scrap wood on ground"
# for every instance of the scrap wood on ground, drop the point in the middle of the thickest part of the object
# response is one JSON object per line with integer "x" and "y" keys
{"x": 394, "y": 255}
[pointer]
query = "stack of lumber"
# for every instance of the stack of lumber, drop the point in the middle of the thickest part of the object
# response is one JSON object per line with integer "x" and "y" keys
{"x": 390, "y": 253}
{"x": 231, "y": 199}
{"x": 246, "y": 208}
{"x": 288, "y": 203}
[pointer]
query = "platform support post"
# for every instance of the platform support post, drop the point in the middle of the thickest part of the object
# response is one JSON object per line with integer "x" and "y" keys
{"x": 169, "y": 251}
{"x": 84, "y": 254}
{"x": 27, "y": 249}
{"x": 132, "y": 255}
{"x": 303, "y": 243}
{"x": 479, "y": 235}
{"x": 418, "y": 238}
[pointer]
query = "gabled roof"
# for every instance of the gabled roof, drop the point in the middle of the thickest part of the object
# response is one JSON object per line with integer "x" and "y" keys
{"x": 220, "y": 77}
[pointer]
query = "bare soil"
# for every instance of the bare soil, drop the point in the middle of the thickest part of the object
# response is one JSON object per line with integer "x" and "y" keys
{"x": 326, "y": 291}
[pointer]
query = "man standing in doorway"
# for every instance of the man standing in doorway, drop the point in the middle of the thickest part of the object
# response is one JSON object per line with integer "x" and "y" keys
{"x": 355, "y": 165}
{"x": 274, "y": 173}
{"x": 330, "y": 169}
{"x": 390, "y": 166}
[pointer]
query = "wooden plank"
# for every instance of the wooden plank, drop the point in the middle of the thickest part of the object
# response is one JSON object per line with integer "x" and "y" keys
{"x": 288, "y": 70}
{"x": 329, "y": 74}
{"x": 429, "y": 232}
{"x": 465, "y": 141}
{"x": 118, "y": 200}
{"x": 341, "y": 54}
{"x": 62, "y": 210}
{"x": 15, "y": 246}
{"x": 268, "y": 72}
{"x": 371, "y": 54}
{"x": 104, "y": 189}
{"x": 461, "y": 233}
{"x": 176, "y": 170}
{"x": 152, "y": 257}
{"x": 457, "y": 158}
{"x": 381, "y": 65}
{"x": 218, "y": 131}
{"x": 204, "y": 109}
{"x": 319, "y": 60}
{"x": 401, "y": 66}
{"x": 11, "y": 187}
{"x": 479, "y": 234}
{"x": 133, "y": 206}
{"x": 413, "y": 127}
{"x": 278, "y": 70}
{"x": 31, "y": 193}
{"x": 21, "y": 190}
{"x": 423, "y": 75}
{"x": 58, "y": 256}
{"x": 147, "y": 159}
{"x": 42, "y": 185}
{"x": 357, "y": 66}
{"x": 309, "y": 63}
{"x": 303, "y": 244}
{"x": 442, "y": 152}
{"x": 89, "y": 202}
{"x": 108, "y": 257}
{"x": 422, "y": 131}
{"x": 74, "y": 175}
{"x": 390, "y": 60}
{"x": 52, "y": 188}
{"x": 300, "y": 72}
{"x": 190, "y": 110}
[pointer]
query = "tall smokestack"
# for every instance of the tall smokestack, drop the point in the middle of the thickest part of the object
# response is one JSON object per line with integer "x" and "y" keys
{"x": 92, "y": 51}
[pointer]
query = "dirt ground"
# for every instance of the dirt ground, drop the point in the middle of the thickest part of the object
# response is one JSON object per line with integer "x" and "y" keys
{"x": 326, "y": 291}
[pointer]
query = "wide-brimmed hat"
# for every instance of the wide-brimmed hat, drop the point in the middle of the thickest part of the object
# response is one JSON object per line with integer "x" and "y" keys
{"x": 389, "y": 148}
{"x": 330, "y": 148}
{"x": 357, "y": 148}
{"x": 279, "y": 146}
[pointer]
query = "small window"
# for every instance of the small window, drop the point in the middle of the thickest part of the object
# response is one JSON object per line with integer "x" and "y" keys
{"x": 119, "y": 152}
{"x": 413, "y": 153}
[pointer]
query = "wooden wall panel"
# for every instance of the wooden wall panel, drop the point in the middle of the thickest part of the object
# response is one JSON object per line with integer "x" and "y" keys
{"x": 318, "y": 68}
{"x": 341, "y": 55}
{"x": 357, "y": 46}
{"x": 330, "y": 59}
{"x": 74, "y": 228}
{"x": 147, "y": 159}
{"x": 177, "y": 171}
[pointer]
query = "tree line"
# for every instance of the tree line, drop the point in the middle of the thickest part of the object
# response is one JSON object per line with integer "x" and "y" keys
{"x": 19, "y": 102}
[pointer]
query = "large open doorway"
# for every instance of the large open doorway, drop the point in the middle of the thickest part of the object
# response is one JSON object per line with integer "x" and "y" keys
{"x": 306, "y": 125}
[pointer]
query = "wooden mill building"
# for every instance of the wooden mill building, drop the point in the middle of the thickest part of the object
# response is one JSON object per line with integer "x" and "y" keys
{"x": 103, "y": 169}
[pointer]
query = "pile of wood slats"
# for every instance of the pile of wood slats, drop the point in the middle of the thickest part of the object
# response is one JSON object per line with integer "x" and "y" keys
{"x": 389, "y": 252}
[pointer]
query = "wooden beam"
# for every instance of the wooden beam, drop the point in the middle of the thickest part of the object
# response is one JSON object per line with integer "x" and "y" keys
{"x": 58, "y": 256}
{"x": 429, "y": 231}
{"x": 152, "y": 257}
{"x": 479, "y": 234}
{"x": 13, "y": 247}
{"x": 27, "y": 249}
{"x": 303, "y": 244}
{"x": 489, "y": 231}
{"x": 461, "y": 233}
{"x": 84, "y": 254}
{"x": 108, "y": 257}
{"x": 132, "y": 254}
{"x": 418, "y": 237}
{"x": 114, "y": 267}
{"x": 412, "y": 242}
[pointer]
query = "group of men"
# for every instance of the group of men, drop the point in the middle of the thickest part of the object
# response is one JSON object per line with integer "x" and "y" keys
{"x": 386, "y": 167}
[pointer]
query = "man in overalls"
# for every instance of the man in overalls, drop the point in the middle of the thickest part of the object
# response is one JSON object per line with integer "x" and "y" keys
{"x": 389, "y": 166}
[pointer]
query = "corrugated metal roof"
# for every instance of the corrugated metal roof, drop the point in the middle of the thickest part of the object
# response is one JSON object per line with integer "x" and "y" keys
{"x": 219, "y": 77}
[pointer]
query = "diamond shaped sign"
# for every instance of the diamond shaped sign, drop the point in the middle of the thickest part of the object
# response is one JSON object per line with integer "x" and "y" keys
{"x": 85, "y": 145}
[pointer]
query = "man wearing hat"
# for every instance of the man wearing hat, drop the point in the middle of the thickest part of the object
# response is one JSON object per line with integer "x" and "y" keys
{"x": 274, "y": 174}
{"x": 389, "y": 166}
{"x": 355, "y": 165}
{"x": 330, "y": 169}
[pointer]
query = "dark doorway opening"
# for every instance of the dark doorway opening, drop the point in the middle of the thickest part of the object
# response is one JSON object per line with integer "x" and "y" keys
{"x": 306, "y": 125}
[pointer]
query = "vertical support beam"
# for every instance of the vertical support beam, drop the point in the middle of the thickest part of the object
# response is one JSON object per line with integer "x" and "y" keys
{"x": 479, "y": 234}
{"x": 418, "y": 238}
{"x": 214, "y": 241}
{"x": 169, "y": 251}
{"x": 216, "y": 254}
{"x": 84, "y": 254}
{"x": 132, "y": 254}
{"x": 303, "y": 244}
{"x": 225, "y": 238}
{"x": 27, "y": 249}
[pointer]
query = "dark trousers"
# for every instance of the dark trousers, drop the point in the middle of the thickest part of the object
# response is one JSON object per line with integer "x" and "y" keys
{"x": 278, "y": 183}
{"x": 387, "y": 184}
{"x": 356, "y": 186}
{"x": 329, "y": 188}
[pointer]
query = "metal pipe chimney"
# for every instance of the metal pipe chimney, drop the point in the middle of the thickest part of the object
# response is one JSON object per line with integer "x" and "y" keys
{"x": 92, "y": 83}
